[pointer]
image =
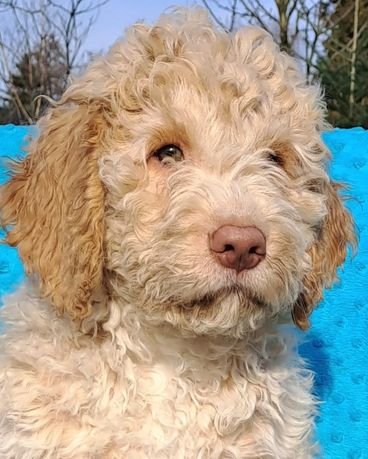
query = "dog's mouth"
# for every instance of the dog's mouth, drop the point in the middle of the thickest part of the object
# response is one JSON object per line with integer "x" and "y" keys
{"x": 211, "y": 299}
{"x": 226, "y": 311}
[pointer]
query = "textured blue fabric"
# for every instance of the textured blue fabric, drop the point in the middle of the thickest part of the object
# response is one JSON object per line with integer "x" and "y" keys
{"x": 337, "y": 345}
{"x": 12, "y": 141}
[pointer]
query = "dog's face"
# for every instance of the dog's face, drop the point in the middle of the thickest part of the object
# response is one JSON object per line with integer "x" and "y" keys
{"x": 183, "y": 174}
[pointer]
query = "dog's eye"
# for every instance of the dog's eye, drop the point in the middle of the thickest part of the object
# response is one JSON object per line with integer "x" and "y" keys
{"x": 169, "y": 152}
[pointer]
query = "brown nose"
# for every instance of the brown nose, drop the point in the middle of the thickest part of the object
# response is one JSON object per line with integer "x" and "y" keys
{"x": 238, "y": 247}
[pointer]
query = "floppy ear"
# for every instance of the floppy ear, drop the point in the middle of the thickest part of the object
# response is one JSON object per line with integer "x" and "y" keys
{"x": 52, "y": 208}
{"x": 327, "y": 253}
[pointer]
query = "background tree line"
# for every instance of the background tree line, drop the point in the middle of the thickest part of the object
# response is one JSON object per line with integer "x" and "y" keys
{"x": 40, "y": 48}
{"x": 329, "y": 39}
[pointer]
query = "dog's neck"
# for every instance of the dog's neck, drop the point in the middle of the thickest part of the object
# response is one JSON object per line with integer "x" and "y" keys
{"x": 150, "y": 343}
{"x": 129, "y": 333}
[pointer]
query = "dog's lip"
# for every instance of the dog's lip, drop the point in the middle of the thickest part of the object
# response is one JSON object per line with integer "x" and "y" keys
{"x": 211, "y": 297}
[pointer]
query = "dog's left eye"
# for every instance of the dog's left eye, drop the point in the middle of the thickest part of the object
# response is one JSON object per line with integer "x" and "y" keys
{"x": 172, "y": 152}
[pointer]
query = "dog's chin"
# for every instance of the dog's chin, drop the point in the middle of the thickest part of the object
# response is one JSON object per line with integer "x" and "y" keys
{"x": 232, "y": 311}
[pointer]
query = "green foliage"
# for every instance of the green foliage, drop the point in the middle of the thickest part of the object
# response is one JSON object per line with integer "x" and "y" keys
{"x": 39, "y": 72}
{"x": 346, "y": 108}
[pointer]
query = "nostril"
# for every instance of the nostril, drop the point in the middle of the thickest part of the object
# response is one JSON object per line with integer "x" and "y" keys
{"x": 228, "y": 248}
{"x": 257, "y": 250}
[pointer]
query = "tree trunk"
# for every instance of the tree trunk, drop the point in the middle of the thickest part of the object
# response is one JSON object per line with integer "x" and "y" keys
{"x": 283, "y": 24}
{"x": 353, "y": 59}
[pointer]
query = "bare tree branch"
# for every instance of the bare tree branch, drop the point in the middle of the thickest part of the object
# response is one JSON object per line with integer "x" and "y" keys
{"x": 42, "y": 45}
{"x": 295, "y": 24}
{"x": 215, "y": 17}
{"x": 12, "y": 89}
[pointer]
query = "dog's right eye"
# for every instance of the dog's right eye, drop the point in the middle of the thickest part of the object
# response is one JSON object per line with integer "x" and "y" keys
{"x": 169, "y": 152}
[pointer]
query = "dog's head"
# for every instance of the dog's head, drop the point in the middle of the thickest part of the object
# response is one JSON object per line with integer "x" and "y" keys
{"x": 184, "y": 173}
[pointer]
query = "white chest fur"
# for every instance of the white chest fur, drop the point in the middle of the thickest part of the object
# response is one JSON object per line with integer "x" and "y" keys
{"x": 147, "y": 392}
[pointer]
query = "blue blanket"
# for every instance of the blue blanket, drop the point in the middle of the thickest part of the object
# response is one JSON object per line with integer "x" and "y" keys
{"x": 337, "y": 345}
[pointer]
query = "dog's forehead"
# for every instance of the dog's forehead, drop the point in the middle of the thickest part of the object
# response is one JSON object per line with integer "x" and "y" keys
{"x": 206, "y": 106}
{"x": 216, "y": 99}
{"x": 209, "y": 87}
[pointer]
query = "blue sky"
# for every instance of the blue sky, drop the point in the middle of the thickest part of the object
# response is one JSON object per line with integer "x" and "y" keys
{"x": 116, "y": 15}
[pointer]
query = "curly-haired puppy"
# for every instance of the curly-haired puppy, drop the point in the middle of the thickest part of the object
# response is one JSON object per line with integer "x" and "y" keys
{"x": 174, "y": 216}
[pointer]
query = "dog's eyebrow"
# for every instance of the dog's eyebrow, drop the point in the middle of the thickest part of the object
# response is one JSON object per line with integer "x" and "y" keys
{"x": 169, "y": 133}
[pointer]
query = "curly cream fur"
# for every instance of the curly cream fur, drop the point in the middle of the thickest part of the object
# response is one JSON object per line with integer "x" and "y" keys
{"x": 129, "y": 340}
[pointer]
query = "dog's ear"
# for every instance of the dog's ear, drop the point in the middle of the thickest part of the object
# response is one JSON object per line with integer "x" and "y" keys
{"x": 52, "y": 207}
{"x": 327, "y": 253}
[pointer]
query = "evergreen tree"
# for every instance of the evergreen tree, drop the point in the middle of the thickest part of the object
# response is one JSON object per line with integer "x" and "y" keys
{"x": 39, "y": 72}
{"x": 41, "y": 46}
{"x": 343, "y": 75}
